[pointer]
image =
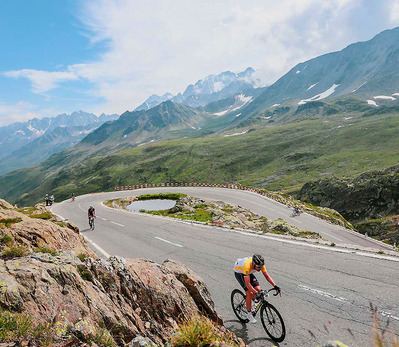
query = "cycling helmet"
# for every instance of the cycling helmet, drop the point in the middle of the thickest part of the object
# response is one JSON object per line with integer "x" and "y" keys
{"x": 258, "y": 260}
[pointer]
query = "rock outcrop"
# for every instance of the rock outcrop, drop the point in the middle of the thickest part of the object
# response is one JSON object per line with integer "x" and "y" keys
{"x": 127, "y": 298}
{"x": 35, "y": 233}
{"x": 371, "y": 195}
{"x": 370, "y": 201}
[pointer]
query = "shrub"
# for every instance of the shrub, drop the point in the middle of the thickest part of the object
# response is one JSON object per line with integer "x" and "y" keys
{"x": 168, "y": 196}
{"x": 199, "y": 332}
{"x": 82, "y": 256}
{"x": 7, "y": 222}
{"x": 102, "y": 337}
{"x": 46, "y": 250}
{"x": 332, "y": 244}
{"x": 14, "y": 252}
{"x": 14, "y": 326}
{"x": 44, "y": 215}
{"x": 6, "y": 240}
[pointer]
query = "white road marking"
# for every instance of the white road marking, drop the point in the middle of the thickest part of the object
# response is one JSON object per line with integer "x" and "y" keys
{"x": 117, "y": 223}
{"x": 175, "y": 244}
{"x": 96, "y": 246}
{"x": 341, "y": 299}
{"x": 103, "y": 218}
{"x": 387, "y": 314}
{"x": 329, "y": 235}
{"x": 320, "y": 292}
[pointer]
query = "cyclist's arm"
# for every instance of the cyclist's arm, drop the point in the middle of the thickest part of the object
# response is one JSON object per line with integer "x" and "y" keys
{"x": 268, "y": 278}
{"x": 248, "y": 284}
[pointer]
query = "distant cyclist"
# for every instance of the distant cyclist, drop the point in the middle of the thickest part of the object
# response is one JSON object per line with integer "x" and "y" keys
{"x": 91, "y": 213}
{"x": 244, "y": 272}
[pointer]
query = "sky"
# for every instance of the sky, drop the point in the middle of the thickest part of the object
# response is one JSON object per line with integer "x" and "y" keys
{"x": 109, "y": 56}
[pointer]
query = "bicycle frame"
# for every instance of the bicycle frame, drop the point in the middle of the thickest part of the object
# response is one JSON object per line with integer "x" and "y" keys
{"x": 263, "y": 300}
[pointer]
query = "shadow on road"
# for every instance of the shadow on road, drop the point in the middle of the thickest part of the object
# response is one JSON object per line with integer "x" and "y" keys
{"x": 85, "y": 230}
{"x": 241, "y": 330}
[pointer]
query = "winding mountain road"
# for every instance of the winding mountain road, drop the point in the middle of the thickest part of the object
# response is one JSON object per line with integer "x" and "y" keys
{"x": 327, "y": 291}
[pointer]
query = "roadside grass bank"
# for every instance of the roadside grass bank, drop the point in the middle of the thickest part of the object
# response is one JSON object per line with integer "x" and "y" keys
{"x": 217, "y": 213}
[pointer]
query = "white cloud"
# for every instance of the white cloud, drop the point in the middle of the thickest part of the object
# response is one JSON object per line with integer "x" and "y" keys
{"x": 394, "y": 12}
{"x": 18, "y": 112}
{"x": 43, "y": 81}
{"x": 159, "y": 46}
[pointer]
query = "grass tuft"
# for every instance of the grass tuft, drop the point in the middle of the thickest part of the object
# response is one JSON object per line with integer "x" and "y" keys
{"x": 199, "y": 332}
{"x": 14, "y": 252}
{"x": 7, "y": 222}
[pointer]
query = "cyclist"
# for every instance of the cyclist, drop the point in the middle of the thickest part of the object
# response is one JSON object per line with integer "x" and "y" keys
{"x": 91, "y": 213}
{"x": 244, "y": 272}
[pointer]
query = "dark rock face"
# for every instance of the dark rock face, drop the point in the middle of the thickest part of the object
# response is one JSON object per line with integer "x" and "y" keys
{"x": 371, "y": 195}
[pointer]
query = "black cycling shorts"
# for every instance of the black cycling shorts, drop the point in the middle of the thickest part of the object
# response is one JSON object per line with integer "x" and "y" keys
{"x": 252, "y": 279}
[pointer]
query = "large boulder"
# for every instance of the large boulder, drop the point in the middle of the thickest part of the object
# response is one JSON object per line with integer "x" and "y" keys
{"x": 128, "y": 298}
{"x": 34, "y": 233}
{"x": 196, "y": 287}
{"x": 5, "y": 205}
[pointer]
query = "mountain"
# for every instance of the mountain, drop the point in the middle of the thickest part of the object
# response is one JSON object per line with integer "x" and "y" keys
{"x": 16, "y": 135}
{"x": 153, "y": 101}
{"x": 366, "y": 70}
{"x": 28, "y": 143}
{"x": 139, "y": 126}
{"x": 38, "y": 150}
{"x": 210, "y": 89}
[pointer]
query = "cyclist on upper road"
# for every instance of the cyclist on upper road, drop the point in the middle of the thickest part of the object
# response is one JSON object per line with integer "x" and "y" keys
{"x": 91, "y": 212}
{"x": 244, "y": 272}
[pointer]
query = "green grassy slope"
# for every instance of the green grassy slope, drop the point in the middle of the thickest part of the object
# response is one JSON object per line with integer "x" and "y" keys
{"x": 277, "y": 157}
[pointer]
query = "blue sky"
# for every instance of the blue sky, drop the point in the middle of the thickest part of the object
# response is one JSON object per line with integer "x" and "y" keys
{"x": 109, "y": 56}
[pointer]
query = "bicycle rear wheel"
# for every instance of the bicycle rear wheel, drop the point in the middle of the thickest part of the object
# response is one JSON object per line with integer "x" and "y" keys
{"x": 239, "y": 306}
{"x": 272, "y": 322}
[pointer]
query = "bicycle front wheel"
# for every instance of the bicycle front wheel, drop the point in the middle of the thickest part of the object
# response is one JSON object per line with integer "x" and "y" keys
{"x": 272, "y": 322}
{"x": 239, "y": 306}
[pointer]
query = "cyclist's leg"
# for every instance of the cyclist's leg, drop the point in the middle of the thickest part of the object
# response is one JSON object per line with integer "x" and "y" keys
{"x": 255, "y": 283}
{"x": 240, "y": 279}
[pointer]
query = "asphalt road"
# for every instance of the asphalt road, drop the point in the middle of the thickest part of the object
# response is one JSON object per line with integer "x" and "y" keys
{"x": 326, "y": 291}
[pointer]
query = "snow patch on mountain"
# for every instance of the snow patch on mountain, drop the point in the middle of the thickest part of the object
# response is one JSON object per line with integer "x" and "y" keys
{"x": 241, "y": 99}
{"x": 312, "y": 86}
{"x": 20, "y": 132}
{"x": 244, "y": 99}
{"x": 221, "y": 113}
{"x": 372, "y": 103}
{"x": 395, "y": 94}
{"x": 235, "y": 134}
{"x": 384, "y": 97}
{"x": 34, "y": 130}
{"x": 275, "y": 105}
{"x": 320, "y": 96}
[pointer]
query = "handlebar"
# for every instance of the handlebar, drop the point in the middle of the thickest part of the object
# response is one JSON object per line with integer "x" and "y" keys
{"x": 265, "y": 293}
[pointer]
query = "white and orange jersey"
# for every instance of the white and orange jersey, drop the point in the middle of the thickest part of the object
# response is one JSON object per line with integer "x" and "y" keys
{"x": 244, "y": 266}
